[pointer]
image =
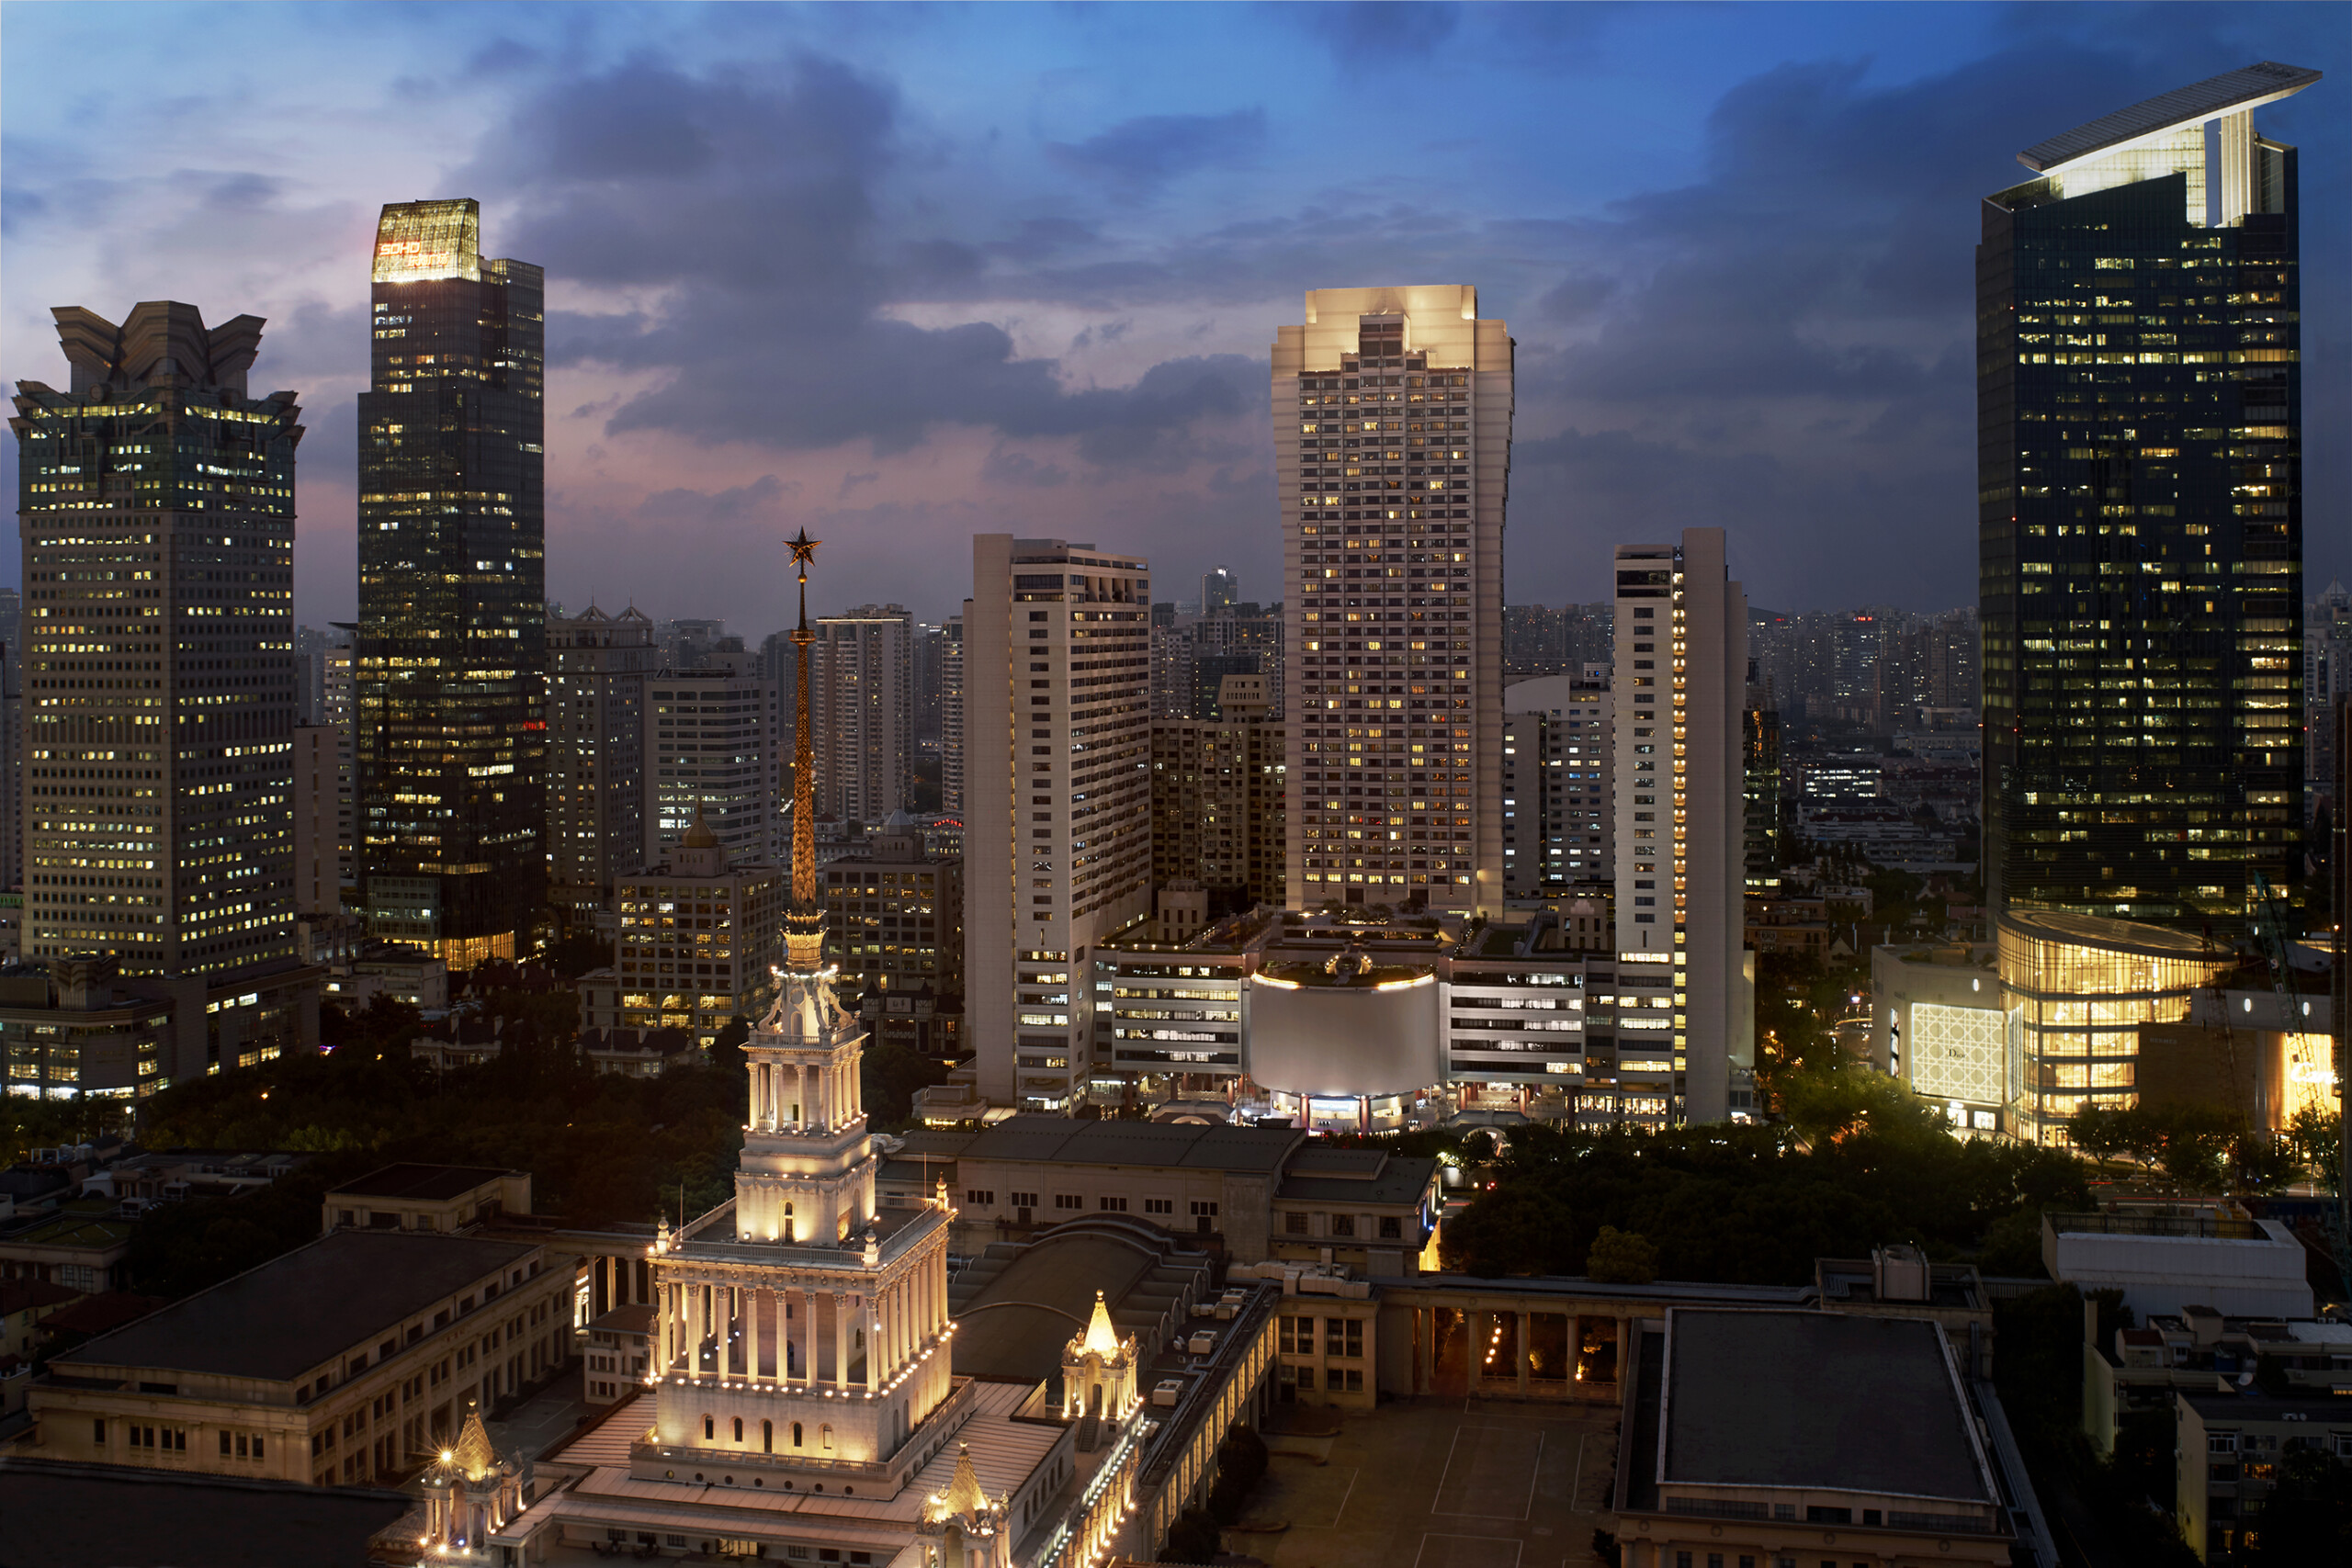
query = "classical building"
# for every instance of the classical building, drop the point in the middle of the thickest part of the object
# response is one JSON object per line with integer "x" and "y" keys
{"x": 2139, "y": 513}
{"x": 1058, "y": 829}
{"x": 1391, "y": 414}
{"x": 155, "y": 500}
{"x": 450, "y": 655}
{"x": 1679, "y": 759}
{"x": 342, "y": 1362}
{"x": 696, "y": 942}
{"x": 597, "y": 667}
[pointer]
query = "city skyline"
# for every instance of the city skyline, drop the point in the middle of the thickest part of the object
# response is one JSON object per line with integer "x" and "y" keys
{"x": 1111, "y": 303}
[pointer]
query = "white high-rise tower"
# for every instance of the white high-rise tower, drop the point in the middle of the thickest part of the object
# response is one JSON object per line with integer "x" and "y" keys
{"x": 1392, "y": 455}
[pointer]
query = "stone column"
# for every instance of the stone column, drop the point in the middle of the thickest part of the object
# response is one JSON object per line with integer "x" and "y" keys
{"x": 869, "y": 1317}
{"x": 695, "y": 1314}
{"x": 722, "y": 1309}
{"x": 841, "y": 1340}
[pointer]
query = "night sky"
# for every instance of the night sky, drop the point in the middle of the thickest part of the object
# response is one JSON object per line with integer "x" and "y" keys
{"x": 902, "y": 274}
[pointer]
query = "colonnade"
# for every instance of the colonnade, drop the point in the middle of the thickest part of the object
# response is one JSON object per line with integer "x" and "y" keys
{"x": 779, "y": 1328}
{"x": 822, "y": 1097}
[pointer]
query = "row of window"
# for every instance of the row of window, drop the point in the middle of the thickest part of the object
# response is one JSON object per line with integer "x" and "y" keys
{"x": 985, "y": 1198}
{"x": 1341, "y": 1337}
{"x": 1390, "y": 1228}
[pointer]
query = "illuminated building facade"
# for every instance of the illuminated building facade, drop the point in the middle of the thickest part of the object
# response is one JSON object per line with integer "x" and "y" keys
{"x": 1219, "y": 799}
{"x": 696, "y": 939}
{"x": 1391, "y": 411}
{"x": 1557, "y": 732}
{"x": 711, "y": 754}
{"x": 450, "y": 735}
{"x": 2077, "y": 988}
{"x": 1681, "y": 682}
{"x": 2141, "y": 512}
{"x": 1058, "y": 785}
{"x": 156, "y": 510}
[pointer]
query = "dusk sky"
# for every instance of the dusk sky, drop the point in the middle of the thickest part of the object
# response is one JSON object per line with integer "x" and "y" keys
{"x": 902, "y": 274}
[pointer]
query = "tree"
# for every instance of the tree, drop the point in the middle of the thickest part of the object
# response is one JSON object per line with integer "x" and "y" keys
{"x": 1621, "y": 1257}
{"x": 2099, "y": 1130}
{"x": 2308, "y": 1516}
{"x": 2195, "y": 1137}
{"x": 1193, "y": 1538}
{"x": 2314, "y": 1140}
{"x": 727, "y": 1047}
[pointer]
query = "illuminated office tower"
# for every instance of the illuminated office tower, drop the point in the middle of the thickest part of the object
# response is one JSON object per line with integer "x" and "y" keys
{"x": 157, "y": 508}
{"x": 861, "y": 699}
{"x": 2139, "y": 513}
{"x": 597, "y": 667}
{"x": 711, "y": 744}
{"x": 951, "y": 715}
{"x": 1685, "y": 1013}
{"x": 1058, "y": 792}
{"x": 1392, "y": 412}
{"x": 450, "y": 655}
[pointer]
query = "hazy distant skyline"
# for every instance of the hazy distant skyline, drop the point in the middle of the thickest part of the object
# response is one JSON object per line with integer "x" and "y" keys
{"x": 902, "y": 274}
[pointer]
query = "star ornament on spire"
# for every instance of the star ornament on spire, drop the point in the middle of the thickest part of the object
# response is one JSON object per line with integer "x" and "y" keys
{"x": 804, "y": 549}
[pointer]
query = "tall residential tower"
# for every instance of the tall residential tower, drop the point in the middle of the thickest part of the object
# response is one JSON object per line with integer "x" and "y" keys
{"x": 1391, "y": 414}
{"x": 2139, "y": 513}
{"x": 451, "y": 650}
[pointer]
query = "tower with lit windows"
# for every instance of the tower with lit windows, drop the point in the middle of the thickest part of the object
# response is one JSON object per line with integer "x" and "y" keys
{"x": 450, "y": 654}
{"x": 2140, "y": 514}
{"x": 1392, "y": 444}
{"x": 802, "y": 1333}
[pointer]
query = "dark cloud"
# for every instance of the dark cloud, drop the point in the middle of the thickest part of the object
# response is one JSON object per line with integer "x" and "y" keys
{"x": 751, "y": 201}
{"x": 1007, "y": 467}
{"x": 1576, "y": 298}
{"x": 1372, "y": 31}
{"x": 1137, "y": 157}
{"x": 501, "y": 57}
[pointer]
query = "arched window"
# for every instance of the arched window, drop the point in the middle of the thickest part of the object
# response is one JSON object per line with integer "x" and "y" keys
{"x": 709, "y": 1430}
{"x": 767, "y": 1437}
{"x": 795, "y": 1433}
{"x": 738, "y": 1429}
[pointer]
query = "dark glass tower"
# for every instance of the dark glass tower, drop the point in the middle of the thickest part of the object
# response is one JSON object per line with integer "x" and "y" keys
{"x": 2141, "y": 512}
{"x": 451, "y": 651}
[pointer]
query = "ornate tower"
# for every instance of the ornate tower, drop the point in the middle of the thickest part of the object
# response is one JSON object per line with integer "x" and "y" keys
{"x": 801, "y": 1327}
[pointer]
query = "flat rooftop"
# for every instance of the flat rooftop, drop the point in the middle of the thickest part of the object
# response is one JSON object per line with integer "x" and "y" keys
{"x": 1822, "y": 1399}
{"x": 278, "y": 1320}
{"x": 2226, "y": 94}
{"x": 429, "y": 1183}
{"x": 86, "y": 1517}
{"x": 1058, "y": 1139}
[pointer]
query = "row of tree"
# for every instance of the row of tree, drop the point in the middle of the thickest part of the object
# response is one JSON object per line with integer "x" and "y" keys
{"x": 2212, "y": 1149}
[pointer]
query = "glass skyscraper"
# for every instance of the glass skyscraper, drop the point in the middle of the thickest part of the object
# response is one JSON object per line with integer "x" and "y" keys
{"x": 451, "y": 650}
{"x": 2141, "y": 512}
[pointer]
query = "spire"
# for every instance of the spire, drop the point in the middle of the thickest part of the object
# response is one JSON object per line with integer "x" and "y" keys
{"x": 1101, "y": 1337}
{"x": 804, "y": 920}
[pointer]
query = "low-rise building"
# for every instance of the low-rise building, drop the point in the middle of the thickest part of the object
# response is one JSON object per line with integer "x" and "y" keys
{"x": 2168, "y": 1257}
{"x": 2229, "y": 1451}
{"x": 412, "y": 1197}
{"x": 1739, "y": 1440}
{"x": 346, "y": 1361}
{"x": 84, "y": 1245}
{"x": 2138, "y": 1370}
{"x": 638, "y": 1052}
{"x": 618, "y": 1354}
{"x": 400, "y": 970}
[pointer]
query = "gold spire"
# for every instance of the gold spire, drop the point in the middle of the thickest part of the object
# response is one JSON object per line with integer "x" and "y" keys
{"x": 803, "y": 919}
{"x": 963, "y": 1494}
{"x": 473, "y": 1457}
{"x": 1101, "y": 1337}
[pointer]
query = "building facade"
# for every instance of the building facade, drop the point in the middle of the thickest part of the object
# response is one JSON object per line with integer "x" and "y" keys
{"x": 597, "y": 667}
{"x": 860, "y": 700}
{"x": 320, "y": 814}
{"x": 450, "y": 655}
{"x": 710, "y": 750}
{"x": 895, "y": 914}
{"x": 1393, "y": 537}
{"x": 1556, "y": 778}
{"x": 1219, "y": 803}
{"x": 1682, "y": 812}
{"x": 696, "y": 938}
{"x": 156, "y": 512}
{"x": 2139, "y": 408}
{"x": 1058, "y": 829}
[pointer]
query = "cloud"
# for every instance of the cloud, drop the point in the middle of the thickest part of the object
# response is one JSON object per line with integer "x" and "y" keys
{"x": 1374, "y": 31}
{"x": 1137, "y": 156}
{"x": 1006, "y": 467}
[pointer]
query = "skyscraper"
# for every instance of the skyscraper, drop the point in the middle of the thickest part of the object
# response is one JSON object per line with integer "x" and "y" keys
{"x": 597, "y": 667}
{"x": 1220, "y": 590}
{"x": 863, "y": 704}
{"x": 1681, "y": 682}
{"x": 711, "y": 745}
{"x": 1557, "y": 825}
{"x": 1058, "y": 789}
{"x": 2141, "y": 512}
{"x": 451, "y": 651}
{"x": 1391, "y": 414}
{"x": 156, "y": 507}
{"x": 951, "y": 715}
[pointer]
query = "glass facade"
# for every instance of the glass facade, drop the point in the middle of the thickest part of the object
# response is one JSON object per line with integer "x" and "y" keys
{"x": 156, "y": 504}
{"x": 2077, "y": 987}
{"x": 451, "y": 651}
{"x": 2141, "y": 522}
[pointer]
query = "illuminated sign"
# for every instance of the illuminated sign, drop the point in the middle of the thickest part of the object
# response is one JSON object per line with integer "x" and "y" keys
{"x": 420, "y": 241}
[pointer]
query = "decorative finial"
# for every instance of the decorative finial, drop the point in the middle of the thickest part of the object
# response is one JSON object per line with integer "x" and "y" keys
{"x": 804, "y": 920}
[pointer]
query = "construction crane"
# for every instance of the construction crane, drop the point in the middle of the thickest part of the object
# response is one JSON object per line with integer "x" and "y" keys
{"x": 2303, "y": 1064}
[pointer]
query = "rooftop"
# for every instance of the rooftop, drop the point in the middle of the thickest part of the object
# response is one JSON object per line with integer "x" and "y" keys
{"x": 1013, "y": 1319}
{"x": 1058, "y": 1139}
{"x": 146, "y": 1519}
{"x": 1811, "y": 1399}
{"x": 2230, "y": 93}
{"x": 1394, "y": 1182}
{"x": 310, "y": 1305}
{"x": 429, "y": 1182}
